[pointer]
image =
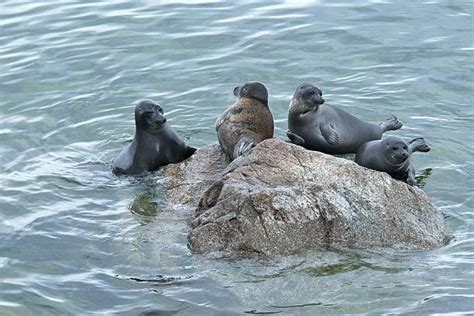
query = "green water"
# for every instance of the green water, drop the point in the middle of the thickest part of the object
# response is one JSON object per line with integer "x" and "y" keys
{"x": 75, "y": 239}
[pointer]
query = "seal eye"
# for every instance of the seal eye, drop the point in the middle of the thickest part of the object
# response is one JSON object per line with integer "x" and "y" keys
{"x": 246, "y": 89}
{"x": 311, "y": 92}
{"x": 405, "y": 147}
{"x": 394, "y": 148}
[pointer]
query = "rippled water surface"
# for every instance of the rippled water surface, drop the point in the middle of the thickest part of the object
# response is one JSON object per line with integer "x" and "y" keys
{"x": 75, "y": 239}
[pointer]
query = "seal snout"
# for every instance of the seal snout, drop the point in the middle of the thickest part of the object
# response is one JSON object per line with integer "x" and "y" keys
{"x": 158, "y": 120}
{"x": 400, "y": 155}
{"x": 318, "y": 100}
{"x": 237, "y": 91}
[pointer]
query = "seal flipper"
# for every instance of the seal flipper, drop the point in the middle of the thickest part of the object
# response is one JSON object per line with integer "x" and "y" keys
{"x": 243, "y": 147}
{"x": 391, "y": 124}
{"x": 418, "y": 144}
{"x": 188, "y": 152}
{"x": 329, "y": 133}
{"x": 295, "y": 139}
{"x": 411, "y": 176}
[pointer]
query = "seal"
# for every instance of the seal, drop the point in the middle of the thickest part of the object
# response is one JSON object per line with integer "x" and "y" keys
{"x": 246, "y": 122}
{"x": 391, "y": 155}
{"x": 316, "y": 125}
{"x": 155, "y": 143}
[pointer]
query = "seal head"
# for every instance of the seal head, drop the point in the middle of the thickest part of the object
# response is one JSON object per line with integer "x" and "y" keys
{"x": 253, "y": 90}
{"x": 149, "y": 116}
{"x": 395, "y": 150}
{"x": 307, "y": 97}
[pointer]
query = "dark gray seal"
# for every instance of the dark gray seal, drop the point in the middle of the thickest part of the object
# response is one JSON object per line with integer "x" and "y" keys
{"x": 391, "y": 155}
{"x": 246, "y": 122}
{"x": 322, "y": 127}
{"x": 155, "y": 143}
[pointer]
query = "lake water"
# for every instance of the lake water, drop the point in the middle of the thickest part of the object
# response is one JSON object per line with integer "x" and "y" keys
{"x": 75, "y": 239}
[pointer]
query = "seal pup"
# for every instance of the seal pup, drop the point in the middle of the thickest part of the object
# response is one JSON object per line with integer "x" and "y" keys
{"x": 246, "y": 122}
{"x": 316, "y": 125}
{"x": 391, "y": 155}
{"x": 155, "y": 143}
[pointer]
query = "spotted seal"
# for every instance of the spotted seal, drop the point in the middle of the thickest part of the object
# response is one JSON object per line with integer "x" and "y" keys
{"x": 246, "y": 122}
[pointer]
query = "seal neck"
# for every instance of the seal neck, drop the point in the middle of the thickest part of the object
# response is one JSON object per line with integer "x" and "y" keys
{"x": 264, "y": 102}
{"x": 144, "y": 135}
{"x": 297, "y": 108}
{"x": 396, "y": 166}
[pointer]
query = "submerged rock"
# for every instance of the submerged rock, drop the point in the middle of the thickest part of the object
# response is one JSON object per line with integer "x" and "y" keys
{"x": 282, "y": 199}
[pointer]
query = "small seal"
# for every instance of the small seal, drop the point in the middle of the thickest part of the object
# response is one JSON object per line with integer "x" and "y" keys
{"x": 155, "y": 143}
{"x": 316, "y": 125}
{"x": 246, "y": 122}
{"x": 391, "y": 155}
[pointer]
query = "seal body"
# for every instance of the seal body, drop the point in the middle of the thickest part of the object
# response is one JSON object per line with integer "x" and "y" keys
{"x": 155, "y": 143}
{"x": 322, "y": 127}
{"x": 245, "y": 123}
{"x": 391, "y": 155}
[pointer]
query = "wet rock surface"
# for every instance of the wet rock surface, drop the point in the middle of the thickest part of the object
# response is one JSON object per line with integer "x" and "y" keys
{"x": 282, "y": 199}
{"x": 185, "y": 182}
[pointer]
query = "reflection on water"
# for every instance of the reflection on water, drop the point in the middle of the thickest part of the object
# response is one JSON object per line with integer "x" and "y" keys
{"x": 422, "y": 177}
{"x": 75, "y": 239}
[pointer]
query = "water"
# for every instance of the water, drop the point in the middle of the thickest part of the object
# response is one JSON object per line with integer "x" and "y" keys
{"x": 75, "y": 239}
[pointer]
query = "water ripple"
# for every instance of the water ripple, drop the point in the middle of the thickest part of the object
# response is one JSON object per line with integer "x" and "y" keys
{"x": 75, "y": 239}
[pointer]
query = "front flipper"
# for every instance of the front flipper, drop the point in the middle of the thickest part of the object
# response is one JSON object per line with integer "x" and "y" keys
{"x": 243, "y": 147}
{"x": 329, "y": 133}
{"x": 189, "y": 151}
{"x": 220, "y": 120}
{"x": 418, "y": 144}
{"x": 411, "y": 176}
{"x": 295, "y": 139}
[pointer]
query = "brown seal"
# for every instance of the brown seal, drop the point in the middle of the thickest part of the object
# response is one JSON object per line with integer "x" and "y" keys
{"x": 246, "y": 122}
